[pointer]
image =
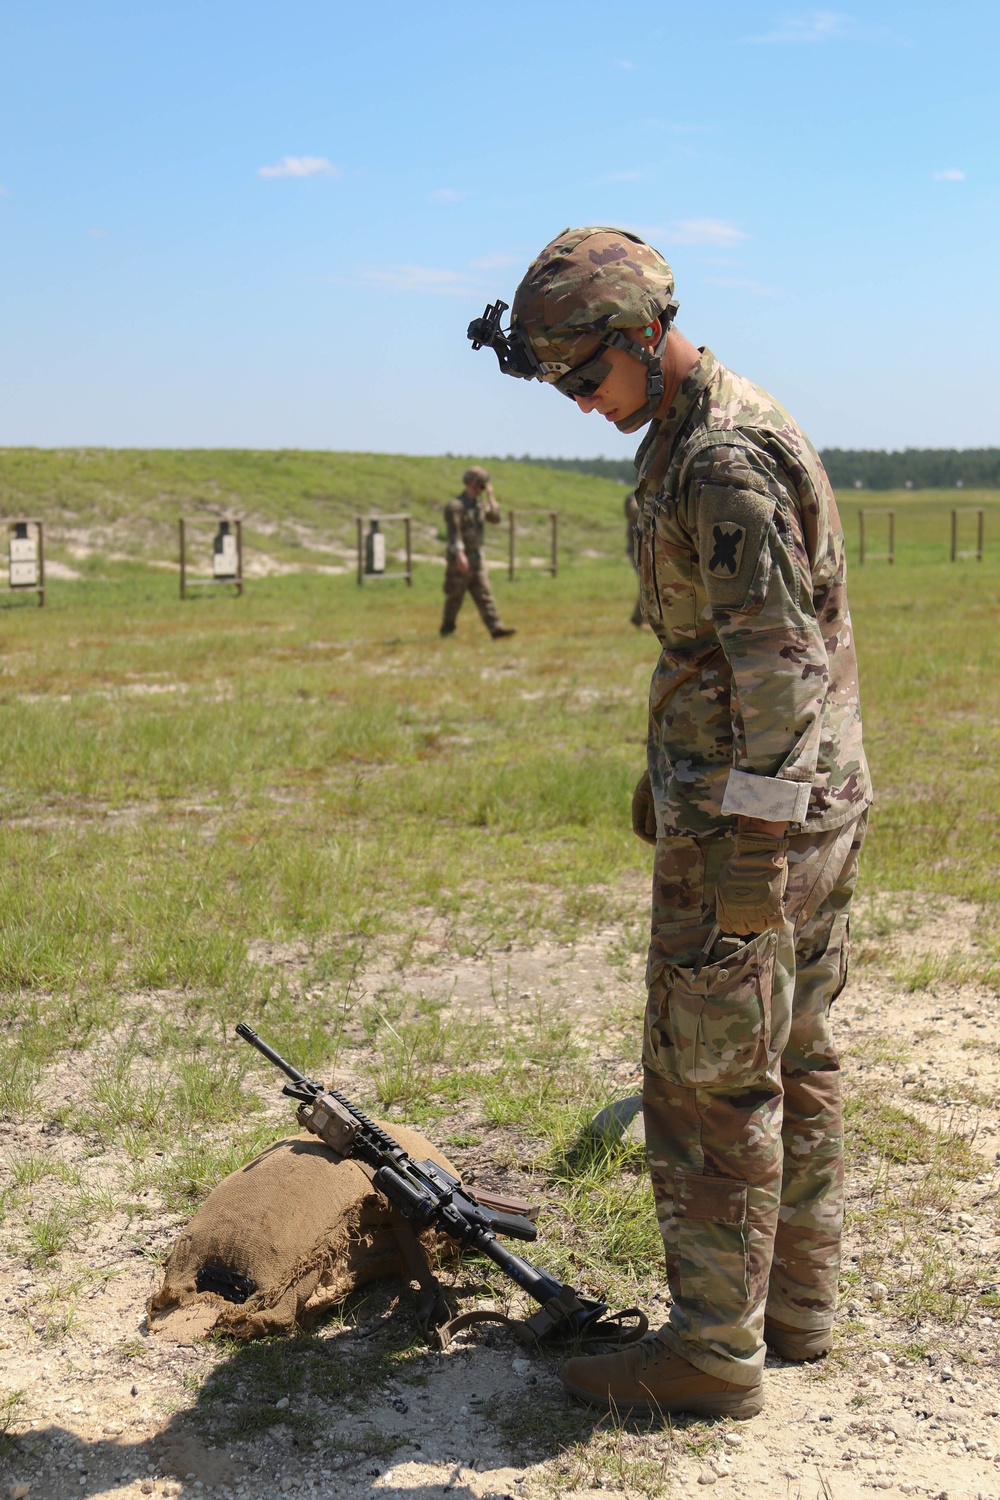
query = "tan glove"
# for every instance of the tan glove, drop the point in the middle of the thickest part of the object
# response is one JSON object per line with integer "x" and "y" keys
{"x": 749, "y": 896}
{"x": 643, "y": 811}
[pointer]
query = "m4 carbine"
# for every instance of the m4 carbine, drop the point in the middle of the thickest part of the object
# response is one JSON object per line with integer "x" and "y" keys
{"x": 427, "y": 1195}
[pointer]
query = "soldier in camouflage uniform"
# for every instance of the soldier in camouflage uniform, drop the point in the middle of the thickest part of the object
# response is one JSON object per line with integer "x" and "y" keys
{"x": 465, "y": 569}
{"x": 755, "y": 797}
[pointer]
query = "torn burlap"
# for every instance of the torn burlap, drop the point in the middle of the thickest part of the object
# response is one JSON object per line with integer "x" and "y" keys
{"x": 303, "y": 1224}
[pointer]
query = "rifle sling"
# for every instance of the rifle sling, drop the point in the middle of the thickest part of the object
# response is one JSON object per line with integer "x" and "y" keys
{"x": 552, "y": 1318}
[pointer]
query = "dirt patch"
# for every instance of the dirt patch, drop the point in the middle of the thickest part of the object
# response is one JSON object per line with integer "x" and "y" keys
{"x": 909, "y": 1403}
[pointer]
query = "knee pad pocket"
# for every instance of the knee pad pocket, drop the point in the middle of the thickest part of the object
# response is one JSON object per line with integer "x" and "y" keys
{"x": 712, "y": 1238}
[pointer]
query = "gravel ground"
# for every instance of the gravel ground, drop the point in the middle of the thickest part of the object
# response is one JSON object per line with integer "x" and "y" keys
{"x": 909, "y": 1402}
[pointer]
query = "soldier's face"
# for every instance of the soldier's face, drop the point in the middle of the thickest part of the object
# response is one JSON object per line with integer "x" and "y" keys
{"x": 621, "y": 392}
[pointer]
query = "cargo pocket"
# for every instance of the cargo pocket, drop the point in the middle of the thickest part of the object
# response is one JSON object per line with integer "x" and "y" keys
{"x": 713, "y": 1030}
{"x": 713, "y": 1242}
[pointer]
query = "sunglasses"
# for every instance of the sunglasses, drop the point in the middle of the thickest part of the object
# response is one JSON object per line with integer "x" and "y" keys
{"x": 587, "y": 378}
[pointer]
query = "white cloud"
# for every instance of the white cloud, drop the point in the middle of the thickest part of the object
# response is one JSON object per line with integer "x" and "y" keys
{"x": 446, "y": 195}
{"x": 3, "y": 191}
{"x": 422, "y": 281}
{"x": 820, "y": 26}
{"x": 717, "y": 232}
{"x": 99, "y": 234}
{"x": 950, "y": 174}
{"x": 302, "y": 166}
{"x": 625, "y": 65}
{"x": 743, "y": 285}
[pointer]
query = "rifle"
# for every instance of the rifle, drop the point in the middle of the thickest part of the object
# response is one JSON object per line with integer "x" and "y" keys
{"x": 426, "y": 1195}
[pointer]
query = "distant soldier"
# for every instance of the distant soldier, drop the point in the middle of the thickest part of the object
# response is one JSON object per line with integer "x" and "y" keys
{"x": 465, "y": 518}
{"x": 631, "y": 536}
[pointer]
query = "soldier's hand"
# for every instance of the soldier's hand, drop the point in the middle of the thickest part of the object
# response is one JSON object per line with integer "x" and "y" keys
{"x": 461, "y": 562}
{"x": 643, "y": 810}
{"x": 749, "y": 895}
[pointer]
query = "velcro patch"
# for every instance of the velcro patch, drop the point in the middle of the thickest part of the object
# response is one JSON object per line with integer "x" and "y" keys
{"x": 733, "y": 525}
{"x": 737, "y": 472}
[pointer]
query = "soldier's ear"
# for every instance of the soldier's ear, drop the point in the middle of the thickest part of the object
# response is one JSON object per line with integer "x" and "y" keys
{"x": 645, "y": 333}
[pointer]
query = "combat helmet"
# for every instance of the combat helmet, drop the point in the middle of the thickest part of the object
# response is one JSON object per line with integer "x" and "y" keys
{"x": 573, "y": 302}
{"x": 475, "y": 475}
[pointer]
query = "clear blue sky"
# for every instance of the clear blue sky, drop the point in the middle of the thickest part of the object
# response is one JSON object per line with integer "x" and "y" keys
{"x": 258, "y": 225}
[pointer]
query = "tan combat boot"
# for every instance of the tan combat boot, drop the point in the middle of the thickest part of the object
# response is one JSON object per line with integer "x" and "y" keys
{"x": 796, "y": 1344}
{"x": 649, "y": 1378}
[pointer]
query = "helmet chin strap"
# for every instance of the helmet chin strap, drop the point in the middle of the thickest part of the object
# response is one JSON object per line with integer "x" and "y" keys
{"x": 653, "y": 360}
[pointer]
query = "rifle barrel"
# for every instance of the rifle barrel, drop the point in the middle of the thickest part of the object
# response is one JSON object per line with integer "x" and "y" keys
{"x": 248, "y": 1034}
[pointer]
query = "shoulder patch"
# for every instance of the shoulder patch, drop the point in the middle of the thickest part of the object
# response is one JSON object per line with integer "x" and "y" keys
{"x": 733, "y": 524}
{"x": 728, "y": 538}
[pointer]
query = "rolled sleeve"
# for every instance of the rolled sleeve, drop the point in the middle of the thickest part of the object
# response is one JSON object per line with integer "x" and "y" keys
{"x": 770, "y": 798}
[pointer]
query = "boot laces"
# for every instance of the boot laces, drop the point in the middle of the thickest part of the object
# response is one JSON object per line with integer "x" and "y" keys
{"x": 650, "y": 1349}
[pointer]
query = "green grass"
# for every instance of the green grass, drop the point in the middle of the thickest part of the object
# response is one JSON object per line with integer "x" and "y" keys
{"x": 246, "y": 807}
{"x": 897, "y": 1136}
{"x": 897, "y": 1220}
{"x": 150, "y": 838}
{"x": 930, "y": 662}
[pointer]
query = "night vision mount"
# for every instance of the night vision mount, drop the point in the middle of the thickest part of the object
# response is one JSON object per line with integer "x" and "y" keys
{"x": 510, "y": 345}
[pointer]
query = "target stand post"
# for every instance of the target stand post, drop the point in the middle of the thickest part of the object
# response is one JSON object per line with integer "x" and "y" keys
{"x": 227, "y": 556}
{"x": 890, "y": 555}
{"x": 372, "y": 548}
{"x": 26, "y": 557}
{"x": 977, "y": 551}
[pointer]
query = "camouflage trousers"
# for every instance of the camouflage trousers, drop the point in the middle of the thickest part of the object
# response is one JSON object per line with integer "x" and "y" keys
{"x": 741, "y": 1099}
{"x": 476, "y": 582}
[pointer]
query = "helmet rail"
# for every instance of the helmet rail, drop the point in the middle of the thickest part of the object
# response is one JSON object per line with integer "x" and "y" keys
{"x": 510, "y": 345}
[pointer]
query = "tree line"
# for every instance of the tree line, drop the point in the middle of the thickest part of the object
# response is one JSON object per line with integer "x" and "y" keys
{"x": 848, "y": 468}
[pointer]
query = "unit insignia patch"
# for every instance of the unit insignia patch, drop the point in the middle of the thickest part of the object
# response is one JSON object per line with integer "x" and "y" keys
{"x": 727, "y": 549}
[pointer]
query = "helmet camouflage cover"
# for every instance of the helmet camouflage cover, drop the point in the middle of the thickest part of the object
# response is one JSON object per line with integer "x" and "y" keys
{"x": 585, "y": 283}
{"x": 475, "y": 475}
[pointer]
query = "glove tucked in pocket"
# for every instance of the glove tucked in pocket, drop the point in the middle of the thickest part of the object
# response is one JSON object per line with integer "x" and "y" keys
{"x": 644, "y": 811}
{"x": 713, "y": 1030}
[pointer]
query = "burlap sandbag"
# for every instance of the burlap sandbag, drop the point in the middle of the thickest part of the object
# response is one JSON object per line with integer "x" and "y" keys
{"x": 303, "y": 1224}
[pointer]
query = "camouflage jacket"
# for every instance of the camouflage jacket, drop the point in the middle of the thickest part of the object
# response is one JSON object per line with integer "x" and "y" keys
{"x": 465, "y": 519}
{"x": 753, "y": 705}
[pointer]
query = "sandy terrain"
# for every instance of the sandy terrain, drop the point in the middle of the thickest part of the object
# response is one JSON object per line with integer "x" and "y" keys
{"x": 909, "y": 1405}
